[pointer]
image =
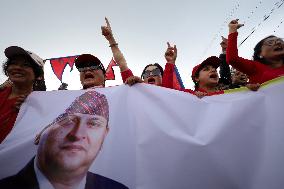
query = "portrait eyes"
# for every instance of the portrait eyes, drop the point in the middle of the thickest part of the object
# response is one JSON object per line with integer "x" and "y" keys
{"x": 74, "y": 120}
{"x": 69, "y": 120}
{"x": 93, "y": 123}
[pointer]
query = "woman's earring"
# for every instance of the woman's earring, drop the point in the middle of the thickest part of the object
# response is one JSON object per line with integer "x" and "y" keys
{"x": 260, "y": 56}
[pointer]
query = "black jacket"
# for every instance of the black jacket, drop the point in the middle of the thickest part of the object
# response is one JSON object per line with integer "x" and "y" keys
{"x": 26, "y": 179}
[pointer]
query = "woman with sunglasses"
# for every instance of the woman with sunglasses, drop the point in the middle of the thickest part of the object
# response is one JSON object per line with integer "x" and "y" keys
{"x": 268, "y": 58}
{"x": 152, "y": 74}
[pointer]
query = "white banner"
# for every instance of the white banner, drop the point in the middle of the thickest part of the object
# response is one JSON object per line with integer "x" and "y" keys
{"x": 166, "y": 139}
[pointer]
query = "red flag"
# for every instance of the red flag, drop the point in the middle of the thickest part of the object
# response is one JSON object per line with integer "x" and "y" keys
{"x": 109, "y": 71}
{"x": 177, "y": 82}
{"x": 58, "y": 65}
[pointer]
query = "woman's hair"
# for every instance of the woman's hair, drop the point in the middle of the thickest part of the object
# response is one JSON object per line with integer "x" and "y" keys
{"x": 196, "y": 84}
{"x": 157, "y": 65}
{"x": 39, "y": 85}
{"x": 38, "y": 70}
{"x": 257, "y": 51}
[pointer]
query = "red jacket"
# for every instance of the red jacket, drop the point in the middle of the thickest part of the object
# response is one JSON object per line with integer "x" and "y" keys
{"x": 8, "y": 113}
{"x": 256, "y": 71}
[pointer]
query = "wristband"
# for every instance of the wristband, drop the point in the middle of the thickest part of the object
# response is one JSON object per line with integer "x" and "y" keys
{"x": 114, "y": 44}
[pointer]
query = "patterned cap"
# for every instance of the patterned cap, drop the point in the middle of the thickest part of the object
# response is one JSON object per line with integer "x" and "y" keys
{"x": 91, "y": 102}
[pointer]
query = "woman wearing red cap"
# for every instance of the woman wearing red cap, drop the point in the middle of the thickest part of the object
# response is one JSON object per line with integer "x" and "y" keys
{"x": 268, "y": 58}
{"x": 206, "y": 78}
{"x": 25, "y": 70}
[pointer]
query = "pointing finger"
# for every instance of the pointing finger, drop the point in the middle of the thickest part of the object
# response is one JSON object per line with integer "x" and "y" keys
{"x": 168, "y": 44}
{"x": 107, "y": 22}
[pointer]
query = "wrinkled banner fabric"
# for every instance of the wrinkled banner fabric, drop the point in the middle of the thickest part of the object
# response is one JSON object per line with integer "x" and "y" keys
{"x": 167, "y": 139}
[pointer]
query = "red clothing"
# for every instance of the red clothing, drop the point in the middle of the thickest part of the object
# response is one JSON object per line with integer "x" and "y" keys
{"x": 256, "y": 71}
{"x": 126, "y": 74}
{"x": 8, "y": 113}
{"x": 168, "y": 78}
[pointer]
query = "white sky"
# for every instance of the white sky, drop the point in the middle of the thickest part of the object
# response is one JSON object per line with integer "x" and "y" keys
{"x": 58, "y": 28}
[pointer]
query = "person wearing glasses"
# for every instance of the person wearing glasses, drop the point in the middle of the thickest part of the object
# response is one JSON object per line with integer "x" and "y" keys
{"x": 268, "y": 57}
{"x": 92, "y": 71}
{"x": 152, "y": 74}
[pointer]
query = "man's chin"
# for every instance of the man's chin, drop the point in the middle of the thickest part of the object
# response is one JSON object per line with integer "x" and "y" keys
{"x": 69, "y": 163}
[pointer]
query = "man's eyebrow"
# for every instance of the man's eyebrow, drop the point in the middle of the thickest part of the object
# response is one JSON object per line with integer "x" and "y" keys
{"x": 93, "y": 119}
{"x": 65, "y": 116}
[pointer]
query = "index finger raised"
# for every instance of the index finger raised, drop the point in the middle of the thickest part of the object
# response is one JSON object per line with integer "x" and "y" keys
{"x": 107, "y": 22}
{"x": 169, "y": 46}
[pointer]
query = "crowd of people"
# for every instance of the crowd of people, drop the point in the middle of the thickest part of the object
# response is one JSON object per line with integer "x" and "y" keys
{"x": 25, "y": 72}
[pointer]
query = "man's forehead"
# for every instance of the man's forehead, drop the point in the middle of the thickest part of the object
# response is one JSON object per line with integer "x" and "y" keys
{"x": 81, "y": 115}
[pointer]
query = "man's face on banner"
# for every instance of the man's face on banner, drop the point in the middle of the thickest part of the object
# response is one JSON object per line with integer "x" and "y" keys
{"x": 73, "y": 142}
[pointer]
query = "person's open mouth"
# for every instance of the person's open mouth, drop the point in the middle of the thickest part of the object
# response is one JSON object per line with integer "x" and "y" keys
{"x": 88, "y": 76}
{"x": 213, "y": 76}
{"x": 151, "y": 80}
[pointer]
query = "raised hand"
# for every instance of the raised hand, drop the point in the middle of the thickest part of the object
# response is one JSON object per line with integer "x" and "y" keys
{"x": 171, "y": 53}
{"x": 224, "y": 44}
{"x": 234, "y": 26}
{"x": 107, "y": 32}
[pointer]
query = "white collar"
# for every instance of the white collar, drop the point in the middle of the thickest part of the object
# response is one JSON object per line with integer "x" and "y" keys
{"x": 44, "y": 182}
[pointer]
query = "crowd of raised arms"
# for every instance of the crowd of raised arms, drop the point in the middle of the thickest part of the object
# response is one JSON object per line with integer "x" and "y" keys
{"x": 24, "y": 70}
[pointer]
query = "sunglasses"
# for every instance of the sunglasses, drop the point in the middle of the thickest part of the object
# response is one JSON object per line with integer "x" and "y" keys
{"x": 154, "y": 72}
{"x": 90, "y": 68}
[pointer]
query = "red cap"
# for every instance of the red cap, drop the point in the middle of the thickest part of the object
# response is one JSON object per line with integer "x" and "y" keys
{"x": 212, "y": 60}
{"x": 87, "y": 60}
